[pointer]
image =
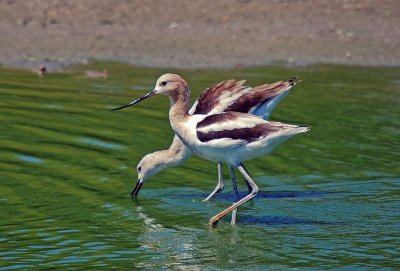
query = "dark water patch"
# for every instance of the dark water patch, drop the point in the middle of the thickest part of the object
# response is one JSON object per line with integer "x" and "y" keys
{"x": 280, "y": 221}
{"x": 231, "y": 196}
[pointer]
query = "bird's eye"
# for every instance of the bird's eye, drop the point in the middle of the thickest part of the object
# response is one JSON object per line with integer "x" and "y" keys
{"x": 139, "y": 169}
{"x": 163, "y": 83}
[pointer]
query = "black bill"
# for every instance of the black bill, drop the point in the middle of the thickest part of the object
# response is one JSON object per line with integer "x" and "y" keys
{"x": 148, "y": 95}
{"x": 136, "y": 189}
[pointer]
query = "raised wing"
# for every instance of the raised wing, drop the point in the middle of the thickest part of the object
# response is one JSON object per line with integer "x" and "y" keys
{"x": 262, "y": 99}
{"x": 231, "y": 95}
{"x": 216, "y": 98}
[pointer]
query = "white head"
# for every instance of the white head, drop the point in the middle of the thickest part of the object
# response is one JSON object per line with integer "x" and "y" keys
{"x": 168, "y": 83}
{"x": 150, "y": 165}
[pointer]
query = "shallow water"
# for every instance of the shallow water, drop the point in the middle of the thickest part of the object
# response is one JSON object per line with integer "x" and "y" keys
{"x": 329, "y": 199}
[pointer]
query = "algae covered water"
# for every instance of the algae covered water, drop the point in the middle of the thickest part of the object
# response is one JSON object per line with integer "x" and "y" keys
{"x": 329, "y": 199}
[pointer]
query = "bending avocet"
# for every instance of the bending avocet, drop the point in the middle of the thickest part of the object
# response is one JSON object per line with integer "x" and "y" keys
{"x": 230, "y": 137}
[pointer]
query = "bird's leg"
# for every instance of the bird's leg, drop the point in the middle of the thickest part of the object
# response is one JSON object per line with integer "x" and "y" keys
{"x": 235, "y": 190}
{"x": 220, "y": 184}
{"x": 234, "y": 212}
{"x": 254, "y": 190}
{"x": 234, "y": 186}
{"x": 234, "y": 183}
{"x": 247, "y": 184}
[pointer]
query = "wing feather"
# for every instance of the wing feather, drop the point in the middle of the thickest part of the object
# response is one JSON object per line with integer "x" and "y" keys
{"x": 216, "y": 98}
{"x": 231, "y": 95}
{"x": 250, "y": 101}
{"x": 238, "y": 126}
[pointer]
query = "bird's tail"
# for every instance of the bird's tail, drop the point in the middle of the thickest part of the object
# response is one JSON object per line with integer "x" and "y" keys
{"x": 302, "y": 129}
{"x": 291, "y": 130}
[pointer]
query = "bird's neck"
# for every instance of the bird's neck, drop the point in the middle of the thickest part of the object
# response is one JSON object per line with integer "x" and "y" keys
{"x": 177, "y": 152}
{"x": 179, "y": 106}
{"x": 175, "y": 155}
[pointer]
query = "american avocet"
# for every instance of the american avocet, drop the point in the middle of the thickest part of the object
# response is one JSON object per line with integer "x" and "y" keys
{"x": 230, "y": 137}
{"x": 225, "y": 96}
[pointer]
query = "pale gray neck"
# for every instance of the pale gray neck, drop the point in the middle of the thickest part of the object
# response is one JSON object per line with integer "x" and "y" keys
{"x": 179, "y": 107}
{"x": 177, "y": 153}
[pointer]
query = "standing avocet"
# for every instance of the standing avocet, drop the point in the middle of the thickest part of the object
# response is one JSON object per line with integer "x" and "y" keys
{"x": 229, "y": 137}
{"x": 225, "y": 96}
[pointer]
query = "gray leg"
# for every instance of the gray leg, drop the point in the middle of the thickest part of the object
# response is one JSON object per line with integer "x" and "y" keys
{"x": 235, "y": 190}
{"x": 233, "y": 178}
{"x": 254, "y": 190}
{"x": 234, "y": 186}
{"x": 247, "y": 184}
{"x": 220, "y": 184}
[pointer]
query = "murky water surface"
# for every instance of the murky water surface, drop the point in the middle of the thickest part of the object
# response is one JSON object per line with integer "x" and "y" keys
{"x": 329, "y": 199}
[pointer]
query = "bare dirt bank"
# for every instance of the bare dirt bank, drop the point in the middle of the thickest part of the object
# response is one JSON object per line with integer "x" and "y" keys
{"x": 200, "y": 33}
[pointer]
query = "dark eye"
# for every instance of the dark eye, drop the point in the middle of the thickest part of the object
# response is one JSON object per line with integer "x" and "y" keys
{"x": 139, "y": 169}
{"x": 163, "y": 83}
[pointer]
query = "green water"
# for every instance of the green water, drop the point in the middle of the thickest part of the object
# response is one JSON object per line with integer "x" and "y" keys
{"x": 329, "y": 199}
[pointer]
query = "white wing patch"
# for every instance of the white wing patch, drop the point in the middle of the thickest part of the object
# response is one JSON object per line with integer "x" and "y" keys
{"x": 224, "y": 142}
{"x": 244, "y": 121}
{"x": 193, "y": 109}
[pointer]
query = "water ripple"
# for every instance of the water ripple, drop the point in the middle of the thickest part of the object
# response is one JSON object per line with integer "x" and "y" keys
{"x": 99, "y": 143}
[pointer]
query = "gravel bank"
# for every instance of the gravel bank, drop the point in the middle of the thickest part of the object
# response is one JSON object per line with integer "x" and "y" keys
{"x": 202, "y": 33}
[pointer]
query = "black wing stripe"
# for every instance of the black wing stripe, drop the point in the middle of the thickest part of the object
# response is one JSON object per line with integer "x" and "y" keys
{"x": 209, "y": 120}
{"x": 246, "y": 134}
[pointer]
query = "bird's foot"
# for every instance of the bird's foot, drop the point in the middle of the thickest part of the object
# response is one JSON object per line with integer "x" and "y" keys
{"x": 213, "y": 222}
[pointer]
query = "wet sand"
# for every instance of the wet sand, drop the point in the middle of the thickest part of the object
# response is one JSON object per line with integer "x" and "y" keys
{"x": 200, "y": 34}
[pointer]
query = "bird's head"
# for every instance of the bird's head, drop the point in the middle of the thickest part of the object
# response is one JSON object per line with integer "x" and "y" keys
{"x": 167, "y": 84}
{"x": 150, "y": 165}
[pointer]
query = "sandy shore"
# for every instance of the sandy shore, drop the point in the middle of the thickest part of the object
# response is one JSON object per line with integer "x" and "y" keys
{"x": 201, "y": 33}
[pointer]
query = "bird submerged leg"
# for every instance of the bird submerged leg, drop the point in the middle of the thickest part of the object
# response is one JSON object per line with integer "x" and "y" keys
{"x": 254, "y": 190}
{"x": 235, "y": 190}
{"x": 220, "y": 184}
